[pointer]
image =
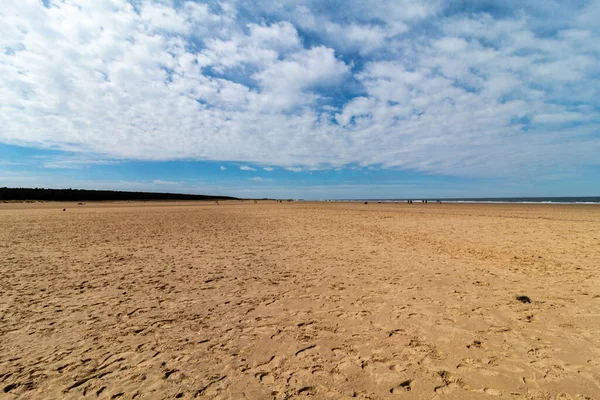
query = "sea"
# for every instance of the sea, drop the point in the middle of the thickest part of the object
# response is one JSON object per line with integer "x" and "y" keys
{"x": 500, "y": 200}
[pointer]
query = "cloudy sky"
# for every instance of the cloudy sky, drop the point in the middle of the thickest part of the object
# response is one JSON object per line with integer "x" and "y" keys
{"x": 308, "y": 99}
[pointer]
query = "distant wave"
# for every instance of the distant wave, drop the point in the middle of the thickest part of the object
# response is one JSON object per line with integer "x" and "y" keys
{"x": 521, "y": 202}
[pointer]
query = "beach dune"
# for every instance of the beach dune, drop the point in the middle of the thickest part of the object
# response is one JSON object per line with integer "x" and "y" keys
{"x": 292, "y": 300}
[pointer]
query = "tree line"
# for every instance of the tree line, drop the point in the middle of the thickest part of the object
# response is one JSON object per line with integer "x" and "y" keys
{"x": 40, "y": 194}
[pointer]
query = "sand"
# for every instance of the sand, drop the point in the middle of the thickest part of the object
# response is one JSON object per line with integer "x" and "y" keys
{"x": 287, "y": 300}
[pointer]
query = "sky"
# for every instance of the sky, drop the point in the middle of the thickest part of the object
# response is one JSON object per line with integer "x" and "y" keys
{"x": 302, "y": 99}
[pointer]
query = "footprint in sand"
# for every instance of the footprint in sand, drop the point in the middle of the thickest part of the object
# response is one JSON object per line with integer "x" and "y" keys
{"x": 403, "y": 387}
{"x": 451, "y": 382}
{"x": 307, "y": 391}
{"x": 265, "y": 378}
{"x": 492, "y": 392}
{"x": 305, "y": 349}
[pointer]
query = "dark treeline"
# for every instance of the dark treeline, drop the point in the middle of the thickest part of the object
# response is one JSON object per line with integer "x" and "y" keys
{"x": 95, "y": 195}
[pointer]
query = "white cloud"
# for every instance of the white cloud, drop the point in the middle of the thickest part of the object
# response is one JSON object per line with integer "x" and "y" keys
{"x": 362, "y": 38}
{"x": 247, "y": 168}
{"x": 269, "y": 169}
{"x": 559, "y": 118}
{"x": 74, "y": 161}
{"x": 480, "y": 94}
{"x": 259, "y": 179}
{"x": 288, "y": 82}
{"x": 4, "y": 163}
{"x": 162, "y": 182}
{"x": 261, "y": 46}
{"x": 451, "y": 44}
{"x": 160, "y": 17}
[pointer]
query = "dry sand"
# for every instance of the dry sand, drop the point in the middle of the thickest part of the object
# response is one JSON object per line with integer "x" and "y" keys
{"x": 268, "y": 300}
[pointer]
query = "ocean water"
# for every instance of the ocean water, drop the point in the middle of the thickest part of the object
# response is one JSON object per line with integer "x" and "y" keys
{"x": 525, "y": 200}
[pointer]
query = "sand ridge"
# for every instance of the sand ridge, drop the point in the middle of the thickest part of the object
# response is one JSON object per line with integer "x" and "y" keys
{"x": 291, "y": 300}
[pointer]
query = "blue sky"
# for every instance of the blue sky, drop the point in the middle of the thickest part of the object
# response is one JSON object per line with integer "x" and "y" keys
{"x": 303, "y": 99}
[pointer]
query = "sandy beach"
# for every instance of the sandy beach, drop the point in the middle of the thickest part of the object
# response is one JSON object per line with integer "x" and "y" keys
{"x": 292, "y": 300}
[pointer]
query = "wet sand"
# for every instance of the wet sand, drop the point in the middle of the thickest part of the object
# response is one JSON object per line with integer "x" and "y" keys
{"x": 321, "y": 300}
